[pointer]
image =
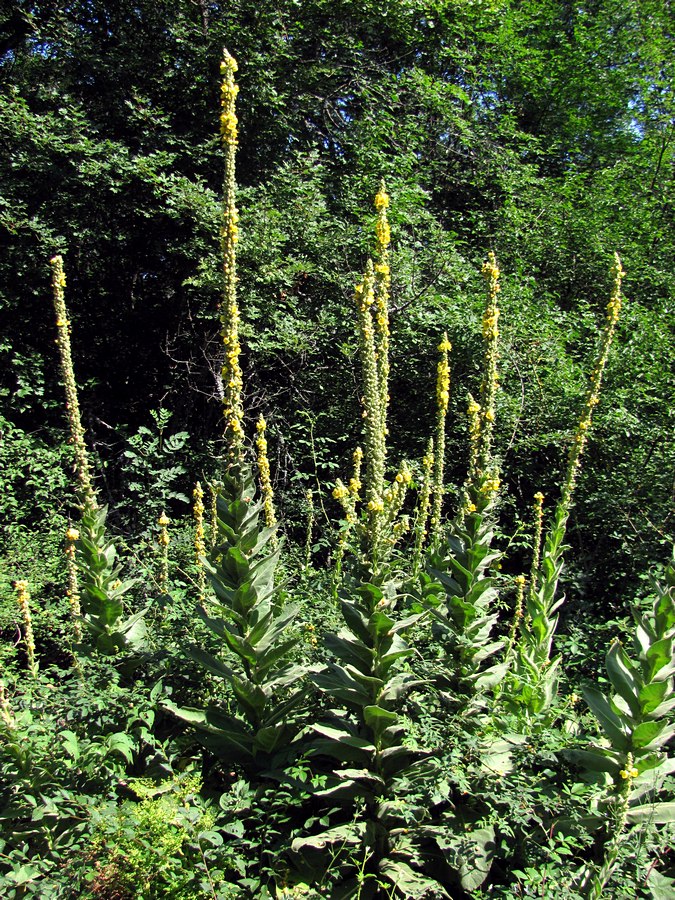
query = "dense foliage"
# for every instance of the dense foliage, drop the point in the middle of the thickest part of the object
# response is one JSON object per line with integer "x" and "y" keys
{"x": 370, "y": 700}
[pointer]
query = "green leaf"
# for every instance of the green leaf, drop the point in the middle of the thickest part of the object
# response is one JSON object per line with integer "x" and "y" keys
{"x": 619, "y": 669}
{"x": 378, "y": 718}
{"x": 612, "y": 724}
{"x": 652, "y": 813}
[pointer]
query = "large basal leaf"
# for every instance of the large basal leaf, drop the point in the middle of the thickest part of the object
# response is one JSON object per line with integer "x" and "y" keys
{"x": 351, "y": 834}
{"x": 409, "y": 883}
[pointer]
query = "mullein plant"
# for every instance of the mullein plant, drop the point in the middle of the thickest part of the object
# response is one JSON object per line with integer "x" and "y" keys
{"x": 255, "y": 638}
{"x": 534, "y": 677}
{"x": 99, "y": 591}
{"x": 258, "y": 722}
{"x": 364, "y": 734}
{"x": 459, "y": 589}
{"x": 631, "y": 761}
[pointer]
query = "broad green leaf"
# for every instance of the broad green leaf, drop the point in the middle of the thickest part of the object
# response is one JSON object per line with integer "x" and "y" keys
{"x": 652, "y": 813}
{"x": 620, "y": 671}
{"x": 611, "y": 723}
{"x": 378, "y": 718}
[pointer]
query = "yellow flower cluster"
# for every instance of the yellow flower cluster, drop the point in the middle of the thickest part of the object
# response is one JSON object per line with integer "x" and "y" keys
{"x": 443, "y": 376}
{"x": 340, "y": 492}
{"x": 82, "y": 467}
{"x": 228, "y": 96}
{"x": 490, "y": 485}
{"x": 381, "y": 198}
{"x": 163, "y": 538}
{"x": 629, "y": 773}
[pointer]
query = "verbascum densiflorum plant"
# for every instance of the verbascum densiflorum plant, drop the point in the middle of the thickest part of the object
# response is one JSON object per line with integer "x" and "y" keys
{"x": 85, "y": 490}
{"x": 102, "y": 619}
{"x": 535, "y": 673}
{"x": 364, "y": 734}
{"x": 631, "y": 761}
{"x": 257, "y": 644}
{"x": 232, "y": 378}
{"x": 459, "y": 588}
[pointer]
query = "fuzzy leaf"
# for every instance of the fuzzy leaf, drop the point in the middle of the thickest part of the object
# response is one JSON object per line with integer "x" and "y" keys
{"x": 611, "y": 723}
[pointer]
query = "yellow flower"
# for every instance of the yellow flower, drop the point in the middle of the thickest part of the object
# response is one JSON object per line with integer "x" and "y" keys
{"x": 163, "y": 520}
{"x": 72, "y": 534}
{"x": 381, "y": 199}
{"x": 339, "y": 491}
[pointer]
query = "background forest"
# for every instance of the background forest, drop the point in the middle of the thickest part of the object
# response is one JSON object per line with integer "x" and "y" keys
{"x": 541, "y": 131}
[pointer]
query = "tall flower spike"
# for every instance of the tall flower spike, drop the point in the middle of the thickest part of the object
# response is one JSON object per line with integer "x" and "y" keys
{"x": 593, "y": 396}
{"x": 200, "y": 542}
{"x": 489, "y": 384}
{"x": 375, "y": 427}
{"x": 233, "y": 383}
{"x": 163, "y": 540}
{"x": 6, "y": 713}
{"x": 309, "y": 497}
{"x": 83, "y": 470}
{"x": 423, "y": 505}
{"x": 214, "y": 486}
{"x": 265, "y": 475}
{"x": 73, "y": 535}
{"x": 382, "y": 289}
{"x": 442, "y": 400}
{"x": 536, "y": 544}
{"x": 23, "y": 600}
